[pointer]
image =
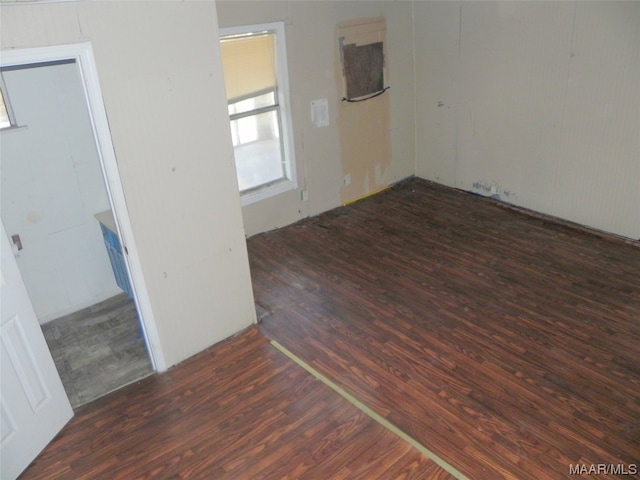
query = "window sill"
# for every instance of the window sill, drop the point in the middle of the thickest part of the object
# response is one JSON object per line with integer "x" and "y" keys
{"x": 267, "y": 192}
{"x": 13, "y": 128}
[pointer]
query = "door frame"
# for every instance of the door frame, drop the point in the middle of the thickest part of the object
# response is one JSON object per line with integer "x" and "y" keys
{"x": 82, "y": 53}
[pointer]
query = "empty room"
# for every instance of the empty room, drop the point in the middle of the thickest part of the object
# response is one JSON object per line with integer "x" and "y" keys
{"x": 363, "y": 239}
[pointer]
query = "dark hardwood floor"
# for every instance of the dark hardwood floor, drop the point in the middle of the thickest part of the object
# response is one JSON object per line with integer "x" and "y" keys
{"x": 240, "y": 410}
{"x": 508, "y": 344}
{"x": 505, "y": 343}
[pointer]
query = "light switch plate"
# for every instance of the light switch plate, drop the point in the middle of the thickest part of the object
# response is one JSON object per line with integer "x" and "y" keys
{"x": 320, "y": 112}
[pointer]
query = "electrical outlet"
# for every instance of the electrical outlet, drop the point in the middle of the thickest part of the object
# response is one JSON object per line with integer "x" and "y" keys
{"x": 494, "y": 190}
{"x": 304, "y": 195}
{"x": 347, "y": 179}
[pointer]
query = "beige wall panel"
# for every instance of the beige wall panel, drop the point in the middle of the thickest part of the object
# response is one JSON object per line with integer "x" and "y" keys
{"x": 312, "y": 55}
{"x": 161, "y": 79}
{"x": 437, "y": 41}
{"x": 542, "y": 101}
{"x": 513, "y": 64}
{"x": 401, "y": 68}
{"x": 38, "y": 25}
{"x": 598, "y": 172}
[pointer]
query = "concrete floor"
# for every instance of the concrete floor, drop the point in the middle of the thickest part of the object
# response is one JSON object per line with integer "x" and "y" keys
{"x": 98, "y": 349}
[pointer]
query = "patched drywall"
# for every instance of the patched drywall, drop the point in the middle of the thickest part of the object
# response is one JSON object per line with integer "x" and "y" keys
{"x": 364, "y": 122}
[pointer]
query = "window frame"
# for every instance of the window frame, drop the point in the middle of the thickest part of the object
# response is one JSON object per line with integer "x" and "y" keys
{"x": 7, "y": 105}
{"x": 290, "y": 182}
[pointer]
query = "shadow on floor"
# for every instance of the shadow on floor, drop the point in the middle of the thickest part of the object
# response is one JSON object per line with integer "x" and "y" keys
{"x": 98, "y": 349}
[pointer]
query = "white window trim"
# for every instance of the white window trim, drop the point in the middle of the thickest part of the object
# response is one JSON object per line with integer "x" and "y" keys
{"x": 13, "y": 124}
{"x": 282, "y": 72}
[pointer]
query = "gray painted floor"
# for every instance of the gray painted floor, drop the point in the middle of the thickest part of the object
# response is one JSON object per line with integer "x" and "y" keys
{"x": 98, "y": 349}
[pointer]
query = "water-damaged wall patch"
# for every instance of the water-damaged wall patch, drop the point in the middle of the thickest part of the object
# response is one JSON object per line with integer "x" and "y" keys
{"x": 493, "y": 190}
{"x": 364, "y": 114}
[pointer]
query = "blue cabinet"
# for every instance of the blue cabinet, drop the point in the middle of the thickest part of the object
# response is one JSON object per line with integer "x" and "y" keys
{"x": 114, "y": 250}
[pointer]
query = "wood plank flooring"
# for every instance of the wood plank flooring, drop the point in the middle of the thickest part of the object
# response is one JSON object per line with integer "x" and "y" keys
{"x": 508, "y": 344}
{"x": 240, "y": 410}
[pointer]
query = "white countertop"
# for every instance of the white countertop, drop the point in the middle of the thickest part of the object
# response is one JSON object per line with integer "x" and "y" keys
{"x": 106, "y": 218}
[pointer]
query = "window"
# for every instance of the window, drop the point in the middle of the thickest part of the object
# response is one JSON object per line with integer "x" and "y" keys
{"x": 6, "y": 114}
{"x": 255, "y": 73}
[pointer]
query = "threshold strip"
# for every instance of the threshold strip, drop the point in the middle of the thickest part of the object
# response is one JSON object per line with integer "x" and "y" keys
{"x": 371, "y": 414}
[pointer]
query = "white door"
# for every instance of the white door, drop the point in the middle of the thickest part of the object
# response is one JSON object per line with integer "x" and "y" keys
{"x": 33, "y": 404}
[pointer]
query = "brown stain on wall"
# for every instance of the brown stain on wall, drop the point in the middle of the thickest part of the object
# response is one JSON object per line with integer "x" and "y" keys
{"x": 364, "y": 126}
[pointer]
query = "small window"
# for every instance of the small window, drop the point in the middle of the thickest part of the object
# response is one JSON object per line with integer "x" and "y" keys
{"x": 6, "y": 114}
{"x": 255, "y": 73}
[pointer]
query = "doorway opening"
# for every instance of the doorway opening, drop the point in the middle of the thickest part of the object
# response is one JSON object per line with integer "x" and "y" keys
{"x": 58, "y": 173}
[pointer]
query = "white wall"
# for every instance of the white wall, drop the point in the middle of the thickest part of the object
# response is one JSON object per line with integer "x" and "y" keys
{"x": 52, "y": 186}
{"x": 311, "y": 28}
{"x": 160, "y": 74}
{"x": 539, "y": 100}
